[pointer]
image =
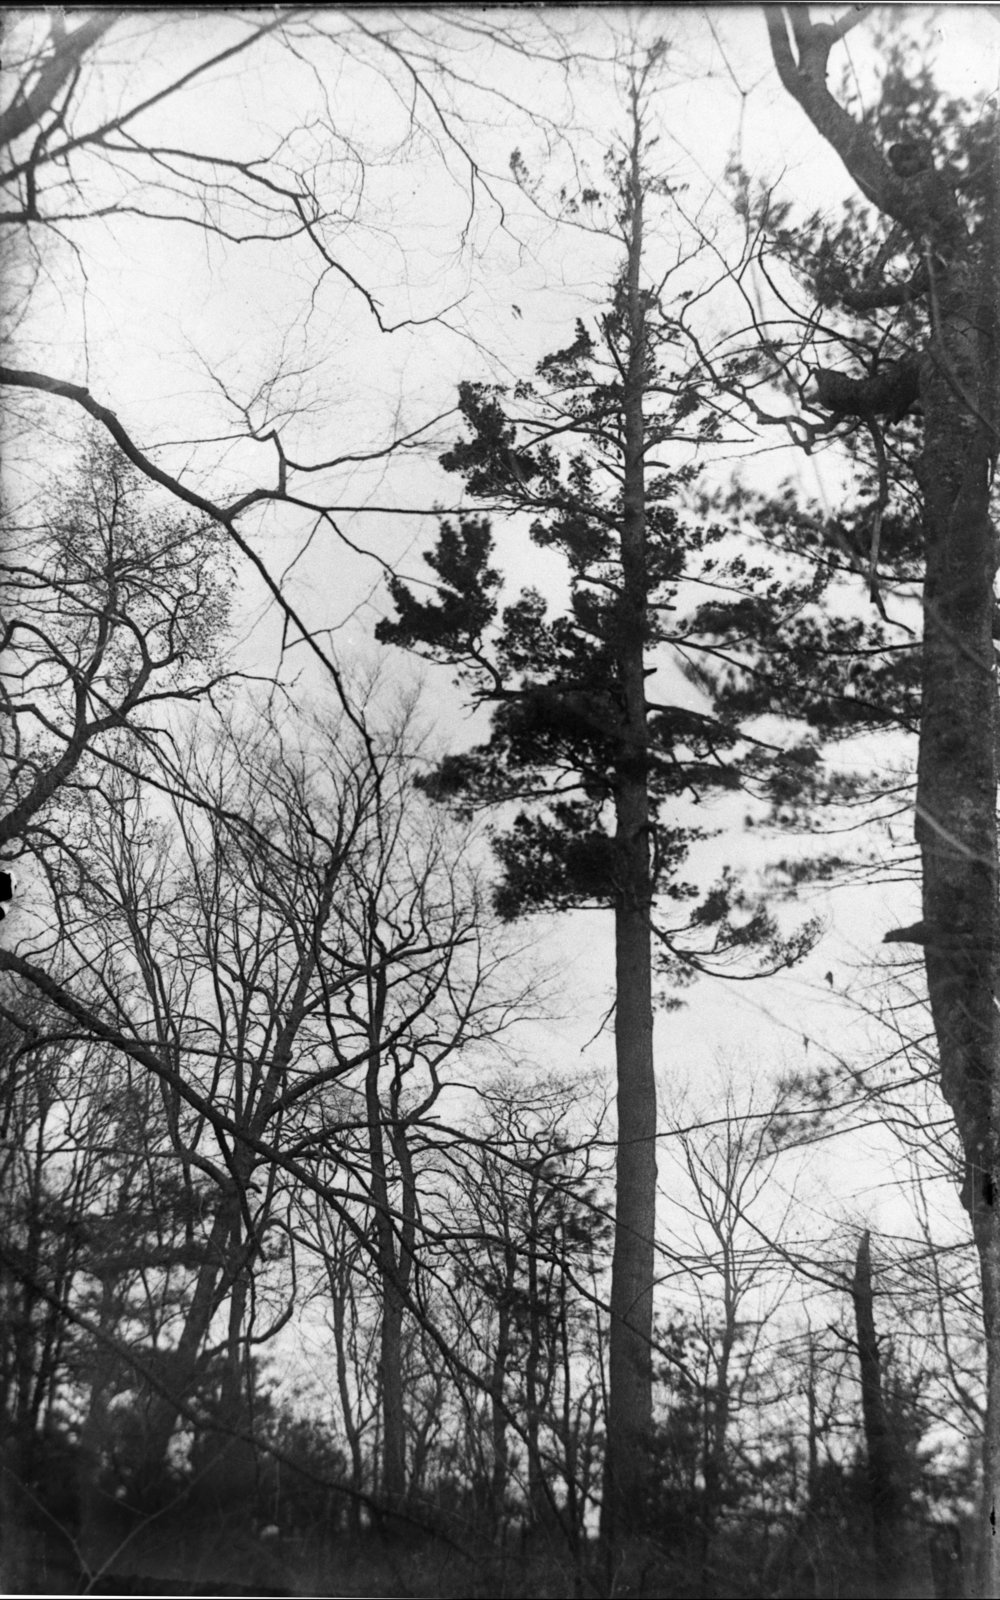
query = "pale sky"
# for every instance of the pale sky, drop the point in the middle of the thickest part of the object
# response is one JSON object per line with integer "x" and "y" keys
{"x": 176, "y": 331}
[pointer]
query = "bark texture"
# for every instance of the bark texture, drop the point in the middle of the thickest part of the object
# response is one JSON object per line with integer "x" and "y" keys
{"x": 956, "y": 826}
{"x": 629, "y": 1418}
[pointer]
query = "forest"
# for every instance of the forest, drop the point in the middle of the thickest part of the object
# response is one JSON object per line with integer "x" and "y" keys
{"x": 499, "y": 875}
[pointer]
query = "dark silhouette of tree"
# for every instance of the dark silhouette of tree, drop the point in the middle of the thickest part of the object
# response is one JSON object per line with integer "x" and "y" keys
{"x": 590, "y": 450}
{"x": 117, "y": 614}
{"x": 881, "y": 1449}
{"x": 89, "y": 143}
{"x": 938, "y": 265}
{"x": 530, "y": 1239}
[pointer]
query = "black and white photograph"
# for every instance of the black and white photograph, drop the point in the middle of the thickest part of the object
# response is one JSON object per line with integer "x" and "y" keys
{"x": 499, "y": 857}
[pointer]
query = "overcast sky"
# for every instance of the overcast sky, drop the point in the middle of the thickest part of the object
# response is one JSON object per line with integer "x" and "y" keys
{"x": 177, "y": 331}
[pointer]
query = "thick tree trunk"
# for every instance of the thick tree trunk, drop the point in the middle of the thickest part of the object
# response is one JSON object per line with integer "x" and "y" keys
{"x": 215, "y": 1276}
{"x": 956, "y": 829}
{"x": 629, "y": 1343}
{"x": 393, "y": 1411}
{"x": 629, "y": 1420}
{"x": 957, "y": 774}
{"x": 956, "y": 823}
{"x": 230, "y": 1472}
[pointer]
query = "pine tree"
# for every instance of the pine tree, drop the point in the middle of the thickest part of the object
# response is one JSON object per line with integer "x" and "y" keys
{"x": 597, "y": 451}
{"x": 923, "y": 308}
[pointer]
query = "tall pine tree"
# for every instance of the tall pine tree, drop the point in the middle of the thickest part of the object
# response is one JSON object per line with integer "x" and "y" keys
{"x": 597, "y": 451}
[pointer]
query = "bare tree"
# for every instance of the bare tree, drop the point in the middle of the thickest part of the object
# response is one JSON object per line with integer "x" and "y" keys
{"x": 295, "y": 947}
{"x": 92, "y": 145}
{"x": 728, "y": 1205}
{"x": 115, "y": 607}
{"x": 423, "y": 991}
{"x": 881, "y": 1454}
{"x": 349, "y": 1299}
{"x": 529, "y": 1233}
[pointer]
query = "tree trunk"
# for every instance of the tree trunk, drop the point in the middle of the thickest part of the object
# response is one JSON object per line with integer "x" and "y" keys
{"x": 391, "y": 1254}
{"x": 630, "y": 1406}
{"x": 717, "y": 1405}
{"x": 338, "y": 1272}
{"x": 956, "y": 830}
{"x": 95, "y": 1431}
{"x": 571, "y": 1519}
{"x": 956, "y": 821}
{"x": 499, "y": 1466}
{"x": 536, "y": 1483}
{"x": 812, "y": 1424}
{"x": 393, "y": 1412}
{"x": 215, "y": 1275}
{"x": 883, "y": 1476}
{"x": 956, "y": 824}
{"x": 230, "y": 1470}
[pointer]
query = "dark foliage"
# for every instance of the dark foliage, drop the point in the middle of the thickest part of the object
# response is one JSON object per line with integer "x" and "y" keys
{"x": 558, "y": 748}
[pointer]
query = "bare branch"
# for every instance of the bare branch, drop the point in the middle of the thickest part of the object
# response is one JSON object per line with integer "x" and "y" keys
{"x": 29, "y": 106}
{"x": 925, "y": 205}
